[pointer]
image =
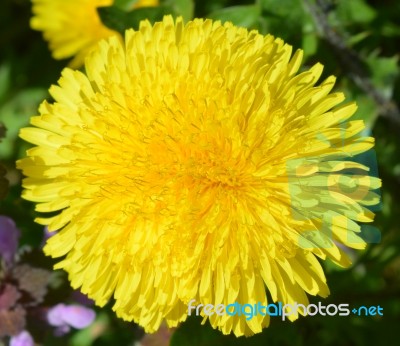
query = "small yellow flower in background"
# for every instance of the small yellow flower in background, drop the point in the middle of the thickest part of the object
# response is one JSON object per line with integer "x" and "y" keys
{"x": 72, "y": 27}
{"x": 194, "y": 162}
{"x": 146, "y": 3}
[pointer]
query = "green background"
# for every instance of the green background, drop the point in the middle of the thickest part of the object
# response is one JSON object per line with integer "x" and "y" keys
{"x": 356, "y": 40}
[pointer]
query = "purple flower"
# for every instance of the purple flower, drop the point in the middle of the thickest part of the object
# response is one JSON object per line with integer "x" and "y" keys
{"x": 9, "y": 235}
{"x": 22, "y": 339}
{"x": 65, "y": 316}
{"x": 79, "y": 316}
{"x": 55, "y": 315}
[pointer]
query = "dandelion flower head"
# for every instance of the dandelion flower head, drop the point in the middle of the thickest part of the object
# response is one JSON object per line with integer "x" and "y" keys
{"x": 193, "y": 161}
{"x": 73, "y": 27}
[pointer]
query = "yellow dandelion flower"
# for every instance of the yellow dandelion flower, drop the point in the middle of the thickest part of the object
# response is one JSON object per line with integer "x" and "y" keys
{"x": 146, "y": 3}
{"x": 194, "y": 162}
{"x": 73, "y": 27}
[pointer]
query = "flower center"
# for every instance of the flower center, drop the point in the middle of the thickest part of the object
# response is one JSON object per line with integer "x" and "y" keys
{"x": 216, "y": 172}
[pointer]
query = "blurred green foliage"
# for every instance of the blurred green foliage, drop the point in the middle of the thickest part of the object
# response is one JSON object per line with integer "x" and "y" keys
{"x": 356, "y": 40}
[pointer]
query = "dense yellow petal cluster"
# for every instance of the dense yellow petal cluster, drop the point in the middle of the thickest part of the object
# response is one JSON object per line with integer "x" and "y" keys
{"x": 194, "y": 162}
{"x": 73, "y": 27}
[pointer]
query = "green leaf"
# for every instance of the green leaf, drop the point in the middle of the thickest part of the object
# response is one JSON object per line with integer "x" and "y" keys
{"x": 355, "y": 11}
{"x": 119, "y": 20}
{"x": 16, "y": 114}
{"x": 385, "y": 72}
{"x": 125, "y": 5}
{"x": 282, "y": 8}
{"x": 309, "y": 40}
{"x": 286, "y": 19}
{"x": 113, "y": 17}
{"x": 354, "y": 39}
{"x": 184, "y": 8}
{"x": 87, "y": 336}
{"x": 367, "y": 109}
{"x": 390, "y": 29}
{"x": 246, "y": 15}
{"x": 4, "y": 80}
